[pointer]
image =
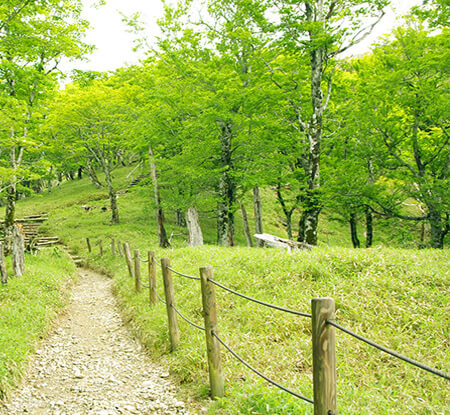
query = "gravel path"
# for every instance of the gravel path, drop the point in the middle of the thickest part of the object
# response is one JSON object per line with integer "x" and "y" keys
{"x": 91, "y": 365}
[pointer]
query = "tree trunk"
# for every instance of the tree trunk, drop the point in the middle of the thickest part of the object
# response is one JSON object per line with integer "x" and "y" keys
{"x": 3, "y": 272}
{"x": 18, "y": 251}
{"x": 248, "y": 236}
{"x": 11, "y": 197}
{"x": 369, "y": 228}
{"x": 438, "y": 230}
{"x": 312, "y": 202}
{"x": 112, "y": 196}
{"x": 309, "y": 221}
{"x": 194, "y": 229}
{"x": 180, "y": 219}
{"x": 162, "y": 235}
{"x": 80, "y": 172}
{"x": 354, "y": 230}
{"x": 93, "y": 175}
{"x": 227, "y": 189}
{"x": 258, "y": 215}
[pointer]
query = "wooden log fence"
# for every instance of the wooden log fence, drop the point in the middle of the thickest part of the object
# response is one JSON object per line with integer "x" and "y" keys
{"x": 323, "y": 326}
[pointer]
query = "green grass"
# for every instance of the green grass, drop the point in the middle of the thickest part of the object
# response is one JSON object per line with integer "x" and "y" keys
{"x": 28, "y": 306}
{"x": 396, "y": 297}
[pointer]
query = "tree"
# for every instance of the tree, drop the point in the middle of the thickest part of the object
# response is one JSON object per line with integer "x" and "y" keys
{"x": 90, "y": 121}
{"x": 407, "y": 102}
{"x": 34, "y": 37}
{"x": 322, "y": 29}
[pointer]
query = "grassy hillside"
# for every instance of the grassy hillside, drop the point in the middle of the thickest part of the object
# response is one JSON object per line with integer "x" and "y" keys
{"x": 137, "y": 217}
{"x": 393, "y": 296}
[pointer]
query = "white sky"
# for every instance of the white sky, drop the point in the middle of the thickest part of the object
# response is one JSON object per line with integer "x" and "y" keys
{"x": 114, "y": 45}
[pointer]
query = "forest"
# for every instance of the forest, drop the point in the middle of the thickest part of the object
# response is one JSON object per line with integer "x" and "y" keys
{"x": 241, "y": 96}
{"x": 243, "y": 117}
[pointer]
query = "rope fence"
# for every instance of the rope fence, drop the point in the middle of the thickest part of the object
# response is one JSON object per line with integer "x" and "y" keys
{"x": 286, "y": 310}
{"x": 389, "y": 351}
{"x": 323, "y": 323}
{"x": 258, "y": 372}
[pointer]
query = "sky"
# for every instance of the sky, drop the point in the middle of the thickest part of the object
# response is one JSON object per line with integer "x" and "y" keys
{"x": 114, "y": 45}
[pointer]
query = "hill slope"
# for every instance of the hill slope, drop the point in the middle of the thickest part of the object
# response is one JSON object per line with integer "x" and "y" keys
{"x": 395, "y": 297}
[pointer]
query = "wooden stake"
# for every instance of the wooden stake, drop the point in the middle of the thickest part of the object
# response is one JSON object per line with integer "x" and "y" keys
{"x": 324, "y": 356}
{"x": 216, "y": 380}
{"x": 174, "y": 332}
{"x": 137, "y": 271}
{"x": 152, "y": 277}
{"x": 113, "y": 247}
{"x": 119, "y": 247}
{"x": 3, "y": 271}
{"x": 126, "y": 248}
{"x": 100, "y": 247}
{"x": 89, "y": 247}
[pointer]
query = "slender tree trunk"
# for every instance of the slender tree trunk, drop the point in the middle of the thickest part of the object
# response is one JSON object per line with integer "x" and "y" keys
{"x": 194, "y": 229}
{"x": 287, "y": 212}
{"x": 80, "y": 172}
{"x": 369, "y": 228}
{"x": 93, "y": 175}
{"x": 3, "y": 271}
{"x": 112, "y": 194}
{"x": 162, "y": 234}
{"x": 248, "y": 236}
{"x": 438, "y": 230}
{"x": 312, "y": 202}
{"x": 14, "y": 162}
{"x": 18, "y": 251}
{"x": 257, "y": 208}
{"x": 180, "y": 218}
{"x": 354, "y": 230}
{"x": 227, "y": 189}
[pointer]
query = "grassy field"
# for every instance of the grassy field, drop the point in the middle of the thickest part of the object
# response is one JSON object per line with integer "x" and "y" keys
{"x": 396, "y": 297}
{"x": 28, "y": 306}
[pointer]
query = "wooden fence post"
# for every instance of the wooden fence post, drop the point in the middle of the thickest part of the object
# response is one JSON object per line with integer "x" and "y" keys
{"x": 324, "y": 356}
{"x": 137, "y": 271}
{"x": 113, "y": 247}
{"x": 174, "y": 332}
{"x": 152, "y": 277}
{"x": 88, "y": 243}
{"x": 100, "y": 247}
{"x": 216, "y": 380}
{"x": 126, "y": 248}
{"x": 119, "y": 247}
{"x": 3, "y": 272}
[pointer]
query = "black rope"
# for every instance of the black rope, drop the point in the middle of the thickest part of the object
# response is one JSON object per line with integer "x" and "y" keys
{"x": 160, "y": 299}
{"x": 186, "y": 319}
{"x": 259, "y": 373}
{"x": 143, "y": 260}
{"x": 389, "y": 351}
{"x": 286, "y": 310}
{"x": 184, "y": 275}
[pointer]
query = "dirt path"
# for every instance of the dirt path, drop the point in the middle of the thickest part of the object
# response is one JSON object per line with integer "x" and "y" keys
{"x": 91, "y": 365}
